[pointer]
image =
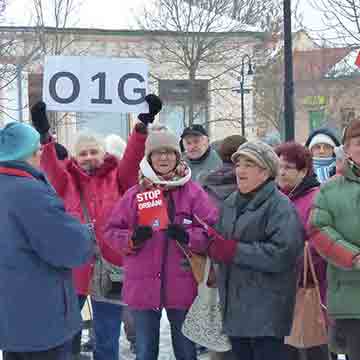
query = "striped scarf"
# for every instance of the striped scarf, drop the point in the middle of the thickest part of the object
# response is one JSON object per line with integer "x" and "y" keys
{"x": 149, "y": 179}
{"x": 324, "y": 168}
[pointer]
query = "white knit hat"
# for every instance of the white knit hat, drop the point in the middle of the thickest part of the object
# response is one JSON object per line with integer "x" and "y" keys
{"x": 159, "y": 139}
{"x": 321, "y": 139}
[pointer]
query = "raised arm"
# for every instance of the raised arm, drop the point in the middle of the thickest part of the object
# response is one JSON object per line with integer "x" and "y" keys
{"x": 129, "y": 164}
{"x": 53, "y": 168}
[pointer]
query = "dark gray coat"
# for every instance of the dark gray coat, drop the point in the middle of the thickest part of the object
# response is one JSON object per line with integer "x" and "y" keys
{"x": 257, "y": 290}
{"x": 202, "y": 167}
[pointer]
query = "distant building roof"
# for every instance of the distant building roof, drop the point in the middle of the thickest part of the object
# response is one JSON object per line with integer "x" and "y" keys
{"x": 316, "y": 64}
{"x": 346, "y": 67}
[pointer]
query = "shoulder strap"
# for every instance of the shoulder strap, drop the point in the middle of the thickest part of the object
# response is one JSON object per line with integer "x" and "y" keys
{"x": 84, "y": 207}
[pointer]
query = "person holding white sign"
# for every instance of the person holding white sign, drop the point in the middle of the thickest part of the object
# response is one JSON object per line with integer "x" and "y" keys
{"x": 154, "y": 224}
{"x": 90, "y": 183}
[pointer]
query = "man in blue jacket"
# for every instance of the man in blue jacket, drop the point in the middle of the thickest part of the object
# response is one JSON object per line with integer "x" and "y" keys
{"x": 39, "y": 313}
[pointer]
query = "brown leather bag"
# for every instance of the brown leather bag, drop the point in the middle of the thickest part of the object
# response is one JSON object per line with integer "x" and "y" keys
{"x": 309, "y": 326}
{"x": 197, "y": 264}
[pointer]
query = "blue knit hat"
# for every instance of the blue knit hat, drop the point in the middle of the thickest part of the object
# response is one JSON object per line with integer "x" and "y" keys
{"x": 18, "y": 141}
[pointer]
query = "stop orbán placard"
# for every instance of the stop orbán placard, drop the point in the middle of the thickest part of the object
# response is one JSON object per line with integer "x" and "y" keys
{"x": 95, "y": 84}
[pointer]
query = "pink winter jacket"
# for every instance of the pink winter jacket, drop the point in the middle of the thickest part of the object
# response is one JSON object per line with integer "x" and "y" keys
{"x": 154, "y": 275}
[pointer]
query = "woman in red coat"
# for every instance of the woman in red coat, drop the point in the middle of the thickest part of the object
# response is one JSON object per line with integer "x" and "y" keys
{"x": 95, "y": 180}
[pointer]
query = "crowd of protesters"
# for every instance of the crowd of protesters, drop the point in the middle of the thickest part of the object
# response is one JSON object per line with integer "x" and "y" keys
{"x": 251, "y": 207}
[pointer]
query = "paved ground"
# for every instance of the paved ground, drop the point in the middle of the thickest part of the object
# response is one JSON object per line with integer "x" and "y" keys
{"x": 165, "y": 345}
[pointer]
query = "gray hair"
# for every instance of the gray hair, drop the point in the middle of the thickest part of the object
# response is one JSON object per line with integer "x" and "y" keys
{"x": 87, "y": 136}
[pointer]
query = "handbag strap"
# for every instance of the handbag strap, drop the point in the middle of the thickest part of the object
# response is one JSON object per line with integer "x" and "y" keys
{"x": 207, "y": 271}
{"x": 84, "y": 207}
{"x": 311, "y": 264}
{"x": 305, "y": 269}
{"x": 308, "y": 263}
{"x": 88, "y": 219}
{"x": 186, "y": 253}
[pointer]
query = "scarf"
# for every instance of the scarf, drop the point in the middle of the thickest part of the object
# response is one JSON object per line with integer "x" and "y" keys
{"x": 178, "y": 177}
{"x": 324, "y": 168}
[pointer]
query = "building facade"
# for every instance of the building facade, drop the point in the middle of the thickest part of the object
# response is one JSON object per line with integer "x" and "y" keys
{"x": 209, "y": 98}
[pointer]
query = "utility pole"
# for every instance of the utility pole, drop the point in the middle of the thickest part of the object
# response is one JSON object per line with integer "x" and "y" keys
{"x": 289, "y": 113}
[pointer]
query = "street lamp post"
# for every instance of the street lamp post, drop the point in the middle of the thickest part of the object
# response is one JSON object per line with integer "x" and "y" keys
{"x": 242, "y": 90}
{"x": 289, "y": 113}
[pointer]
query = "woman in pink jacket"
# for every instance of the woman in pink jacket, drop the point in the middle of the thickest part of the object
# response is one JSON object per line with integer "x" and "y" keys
{"x": 150, "y": 224}
{"x": 298, "y": 181}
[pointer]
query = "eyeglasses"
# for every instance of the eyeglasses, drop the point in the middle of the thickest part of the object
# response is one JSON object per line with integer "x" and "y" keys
{"x": 163, "y": 153}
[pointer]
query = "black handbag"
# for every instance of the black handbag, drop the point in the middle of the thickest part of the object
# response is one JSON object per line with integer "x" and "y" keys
{"x": 107, "y": 280}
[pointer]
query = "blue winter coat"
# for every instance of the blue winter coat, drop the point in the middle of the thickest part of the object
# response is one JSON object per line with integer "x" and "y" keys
{"x": 39, "y": 243}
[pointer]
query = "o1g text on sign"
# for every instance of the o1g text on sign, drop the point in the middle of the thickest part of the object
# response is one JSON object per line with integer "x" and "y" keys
{"x": 94, "y": 84}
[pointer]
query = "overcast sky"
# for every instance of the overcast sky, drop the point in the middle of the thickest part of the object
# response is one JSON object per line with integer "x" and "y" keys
{"x": 115, "y": 14}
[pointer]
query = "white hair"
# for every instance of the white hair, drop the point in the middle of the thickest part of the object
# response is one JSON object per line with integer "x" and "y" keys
{"x": 88, "y": 137}
{"x": 115, "y": 145}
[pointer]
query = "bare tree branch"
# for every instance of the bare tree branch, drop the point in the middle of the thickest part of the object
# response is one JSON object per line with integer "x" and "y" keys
{"x": 205, "y": 39}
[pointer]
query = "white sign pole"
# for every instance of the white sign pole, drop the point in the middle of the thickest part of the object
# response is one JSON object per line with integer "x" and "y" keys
{"x": 92, "y": 84}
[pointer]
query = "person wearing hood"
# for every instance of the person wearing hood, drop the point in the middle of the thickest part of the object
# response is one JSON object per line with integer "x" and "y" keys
{"x": 90, "y": 183}
{"x": 297, "y": 180}
{"x": 335, "y": 230}
{"x": 198, "y": 154}
{"x": 156, "y": 275}
{"x": 38, "y": 305}
{"x": 322, "y": 143}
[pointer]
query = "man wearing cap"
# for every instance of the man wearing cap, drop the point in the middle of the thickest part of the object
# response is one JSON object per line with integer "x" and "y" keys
{"x": 336, "y": 227}
{"x": 260, "y": 239}
{"x": 39, "y": 311}
{"x": 322, "y": 143}
{"x": 198, "y": 153}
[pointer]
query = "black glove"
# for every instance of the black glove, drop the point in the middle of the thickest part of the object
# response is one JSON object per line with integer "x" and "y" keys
{"x": 177, "y": 232}
{"x": 39, "y": 118}
{"x": 141, "y": 234}
{"x": 155, "y": 105}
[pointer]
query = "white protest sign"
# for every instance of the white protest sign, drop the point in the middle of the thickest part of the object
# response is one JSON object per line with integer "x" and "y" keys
{"x": 94, "y": 84}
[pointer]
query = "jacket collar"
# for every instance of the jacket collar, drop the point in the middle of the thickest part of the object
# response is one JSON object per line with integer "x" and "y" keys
{"x": 110, "y": 163}
{"x": 308, "y": 184}
{"x": 260, "y": 196}
{"x": 22, "y": 169}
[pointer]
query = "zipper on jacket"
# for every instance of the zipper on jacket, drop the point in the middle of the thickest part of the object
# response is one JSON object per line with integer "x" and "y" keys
{"x": 171, "y": 213}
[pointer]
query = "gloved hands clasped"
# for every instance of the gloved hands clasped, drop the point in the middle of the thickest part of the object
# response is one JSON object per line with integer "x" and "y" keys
{"x": 178, "y": 232}
{"x": 140, "y": 235}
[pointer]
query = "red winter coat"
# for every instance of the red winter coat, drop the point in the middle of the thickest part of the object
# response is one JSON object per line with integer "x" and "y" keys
{"x": 101, "y": 191}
